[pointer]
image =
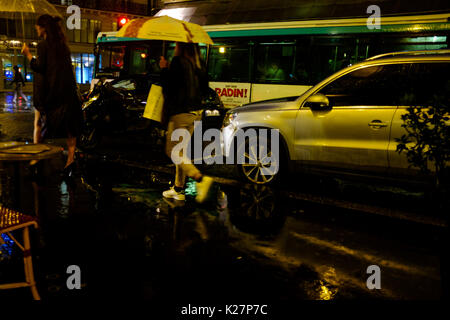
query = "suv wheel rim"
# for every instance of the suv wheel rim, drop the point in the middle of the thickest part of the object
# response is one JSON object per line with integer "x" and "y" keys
{"x": 259, "y": 170}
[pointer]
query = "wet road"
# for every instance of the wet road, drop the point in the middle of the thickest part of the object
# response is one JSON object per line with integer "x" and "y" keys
{"x": 131, "y": 243}
{"x": 246, "y": 243}
{"x": 16, "y": 119}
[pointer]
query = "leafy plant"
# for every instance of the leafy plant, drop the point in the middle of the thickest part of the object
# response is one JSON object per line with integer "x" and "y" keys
{"x": 427, "y": 138}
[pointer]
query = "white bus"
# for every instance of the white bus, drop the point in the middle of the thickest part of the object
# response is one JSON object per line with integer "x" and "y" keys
{"x": 259, "y": 61}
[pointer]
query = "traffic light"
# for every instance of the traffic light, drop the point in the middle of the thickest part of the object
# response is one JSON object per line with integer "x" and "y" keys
{"x": 121, "y": 22}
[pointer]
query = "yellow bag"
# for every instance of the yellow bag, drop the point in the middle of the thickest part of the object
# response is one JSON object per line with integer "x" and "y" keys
{"x": 155, "y": 102}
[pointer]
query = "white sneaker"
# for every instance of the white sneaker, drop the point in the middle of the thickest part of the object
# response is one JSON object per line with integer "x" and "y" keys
{"x": 203, "y": 188}
{"x": 172, "y": 194}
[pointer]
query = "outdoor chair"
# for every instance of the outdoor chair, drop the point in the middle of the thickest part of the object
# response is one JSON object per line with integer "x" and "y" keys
{"x": 11, "y": 220}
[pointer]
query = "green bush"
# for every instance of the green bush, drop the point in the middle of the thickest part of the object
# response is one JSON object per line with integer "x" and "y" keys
{"x": 427, "y": 138}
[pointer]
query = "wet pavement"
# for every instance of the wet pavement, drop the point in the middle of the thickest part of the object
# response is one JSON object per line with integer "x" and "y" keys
{"x": 131, "y": 243}
{"x": 16, "y": 119}
{"x": 246, "y": 244}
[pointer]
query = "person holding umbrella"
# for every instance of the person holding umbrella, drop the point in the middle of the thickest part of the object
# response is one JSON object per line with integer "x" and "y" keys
{"x": 183, "y": 83}
{"x": 56, "y": 100}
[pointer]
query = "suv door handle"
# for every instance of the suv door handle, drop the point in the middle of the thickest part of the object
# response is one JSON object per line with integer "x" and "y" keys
{"x": 377, "y": 124}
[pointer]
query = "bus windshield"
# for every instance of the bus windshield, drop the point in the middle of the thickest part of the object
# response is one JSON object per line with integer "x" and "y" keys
{"x": 128, "y": 59}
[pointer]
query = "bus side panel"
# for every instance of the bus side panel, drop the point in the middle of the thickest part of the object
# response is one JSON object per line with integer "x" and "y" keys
{"x": 274, "y": 91}
{"x": 232, "y": 94}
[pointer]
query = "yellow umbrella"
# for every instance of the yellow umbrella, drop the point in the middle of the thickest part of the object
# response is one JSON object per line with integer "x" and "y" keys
{"x": 165, "y": 28}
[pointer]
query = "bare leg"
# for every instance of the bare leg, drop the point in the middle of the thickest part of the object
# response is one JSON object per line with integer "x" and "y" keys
{"x": 37, "y": 127}
{"x": 71, "y": 145}
{"x": 36, "y": 132}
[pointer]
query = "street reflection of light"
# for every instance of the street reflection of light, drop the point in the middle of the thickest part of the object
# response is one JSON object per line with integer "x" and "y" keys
{"x": 325, "y": 293}
{"x": 6, "y": 246}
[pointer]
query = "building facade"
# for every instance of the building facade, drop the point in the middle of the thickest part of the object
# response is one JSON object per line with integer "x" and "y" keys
{"x": 96, "y": 16}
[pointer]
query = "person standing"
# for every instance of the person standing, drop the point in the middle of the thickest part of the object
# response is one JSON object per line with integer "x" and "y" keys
{"x": 183, "y": 83}
{"x": 20, "y": 82}
{"x": 56, "y": 100}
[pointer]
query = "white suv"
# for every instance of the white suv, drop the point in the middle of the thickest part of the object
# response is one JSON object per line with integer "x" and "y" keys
{"x": 347, "y": 123}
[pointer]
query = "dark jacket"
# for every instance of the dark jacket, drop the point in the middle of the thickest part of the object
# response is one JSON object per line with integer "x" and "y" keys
{"x": 18, "y": 78}
{"x": 54, "y": 80}
{"x": 55, "y": 91}
{"x": 183, "y": 86}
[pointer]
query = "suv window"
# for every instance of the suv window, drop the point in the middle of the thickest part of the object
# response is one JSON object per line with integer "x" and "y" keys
{"x": 429, "y": 83}
{"x": 380, "y": 85}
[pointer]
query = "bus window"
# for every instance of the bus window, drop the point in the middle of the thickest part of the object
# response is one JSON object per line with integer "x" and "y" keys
{"x": 145, "y": 59}
{"x": 390, "y": 43}
{"x": 329, "y": 55}
{"x": 111, "y": 58}
{"x": 274, "y": 62}
{"x": 138, "y": 60}
{"x": 229, "y": 63}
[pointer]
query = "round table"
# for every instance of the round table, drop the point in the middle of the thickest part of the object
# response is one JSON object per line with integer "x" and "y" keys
{"x": 14, "y": 153}
{"x": 21, "y": 151}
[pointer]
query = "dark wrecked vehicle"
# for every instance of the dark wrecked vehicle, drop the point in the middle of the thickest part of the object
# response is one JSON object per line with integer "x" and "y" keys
{"x": 113, "y": 111}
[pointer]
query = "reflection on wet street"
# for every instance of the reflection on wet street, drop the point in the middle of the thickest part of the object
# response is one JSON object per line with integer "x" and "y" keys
{"x": 129, "y": 242}
{"x": 7, "y": 103}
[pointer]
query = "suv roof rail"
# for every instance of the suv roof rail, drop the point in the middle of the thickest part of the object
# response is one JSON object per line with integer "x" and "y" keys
{"x": 409, "y": 53}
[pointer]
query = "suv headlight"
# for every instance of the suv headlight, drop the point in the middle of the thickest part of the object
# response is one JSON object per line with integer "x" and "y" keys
{"x": 229, "y": 118}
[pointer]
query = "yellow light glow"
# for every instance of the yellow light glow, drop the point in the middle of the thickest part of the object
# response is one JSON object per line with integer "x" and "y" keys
{"x": 143, "y": 55}
{"x": 222, "y": 49}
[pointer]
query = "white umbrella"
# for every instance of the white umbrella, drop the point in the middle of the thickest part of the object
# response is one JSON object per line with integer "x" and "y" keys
{"x": 28, "y": 6}
{"x": 25, "y": 10}
{"x": 24, "y": 13}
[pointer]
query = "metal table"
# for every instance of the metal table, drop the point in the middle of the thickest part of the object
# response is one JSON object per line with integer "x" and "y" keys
{"x": 15, "y": 153}
{"x": 21, "y": 151}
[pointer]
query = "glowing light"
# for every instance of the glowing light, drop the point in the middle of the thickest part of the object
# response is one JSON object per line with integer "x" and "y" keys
{"x": 123, "y": 21}
{"x": 143, "y": 55}
{"x": 222, "y": 49}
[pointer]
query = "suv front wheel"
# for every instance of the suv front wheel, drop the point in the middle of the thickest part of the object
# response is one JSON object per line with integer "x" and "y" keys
{"x": 261, "y": 164}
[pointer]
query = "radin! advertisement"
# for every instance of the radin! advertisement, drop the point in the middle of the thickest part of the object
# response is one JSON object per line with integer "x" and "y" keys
{"x": 232, "y": 94}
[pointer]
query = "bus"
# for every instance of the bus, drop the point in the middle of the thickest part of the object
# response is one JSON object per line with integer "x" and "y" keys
{"x": 251, "y": 62}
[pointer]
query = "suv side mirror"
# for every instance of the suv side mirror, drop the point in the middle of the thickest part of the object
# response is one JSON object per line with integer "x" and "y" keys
{"x": 318, "y": 102}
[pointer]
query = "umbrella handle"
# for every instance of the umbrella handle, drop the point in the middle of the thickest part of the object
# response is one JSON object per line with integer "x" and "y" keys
{"x": 164, "y": 49}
